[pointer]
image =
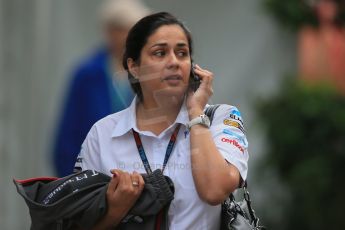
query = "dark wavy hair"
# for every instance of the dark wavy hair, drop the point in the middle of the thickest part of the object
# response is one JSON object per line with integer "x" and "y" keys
{"x": 138, "y": 36}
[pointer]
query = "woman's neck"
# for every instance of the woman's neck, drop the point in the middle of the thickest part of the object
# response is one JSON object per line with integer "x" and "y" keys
{"x": 158, "y": 115}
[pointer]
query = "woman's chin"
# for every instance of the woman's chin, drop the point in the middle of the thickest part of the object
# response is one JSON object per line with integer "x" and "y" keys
{"x": 174, "y": 92}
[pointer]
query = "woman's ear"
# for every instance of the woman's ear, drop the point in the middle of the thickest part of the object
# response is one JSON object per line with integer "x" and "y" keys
{"x": 133, "y": 68}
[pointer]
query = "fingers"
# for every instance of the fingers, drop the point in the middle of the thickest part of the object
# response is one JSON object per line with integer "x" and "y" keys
{"x": 120, "y": 180}
{"x": 124, "y": 182}
{"x": 205, "y": 75}
{"x": 137, "y": 183}
{"x": 114, "y": 180}
{"x": 135, "y": 179}
{"x": 138, "y": 178}
{"x": 121, "y": 194}
{"x": 206, "y": 78}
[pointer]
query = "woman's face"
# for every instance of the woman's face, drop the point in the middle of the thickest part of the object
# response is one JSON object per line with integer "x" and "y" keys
{"x": 165, "y": 63}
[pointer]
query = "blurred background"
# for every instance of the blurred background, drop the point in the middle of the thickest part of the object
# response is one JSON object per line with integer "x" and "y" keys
{"x": 280, "y": 62}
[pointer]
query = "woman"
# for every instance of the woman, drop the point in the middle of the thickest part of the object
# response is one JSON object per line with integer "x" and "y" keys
{"x": 206, "y": 163}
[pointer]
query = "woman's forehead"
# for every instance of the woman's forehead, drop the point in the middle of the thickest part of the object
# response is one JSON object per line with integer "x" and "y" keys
{"x": 168, "y": 35}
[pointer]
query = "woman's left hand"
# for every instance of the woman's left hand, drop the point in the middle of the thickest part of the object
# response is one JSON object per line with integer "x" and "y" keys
{"x": 197, "y": 100}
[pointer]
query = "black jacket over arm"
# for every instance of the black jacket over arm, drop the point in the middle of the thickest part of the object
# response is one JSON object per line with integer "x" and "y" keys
{"x": 80, "y": 200}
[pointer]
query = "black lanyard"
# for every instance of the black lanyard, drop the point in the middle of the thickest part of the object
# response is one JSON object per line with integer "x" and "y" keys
{"x": 167, "y": 153}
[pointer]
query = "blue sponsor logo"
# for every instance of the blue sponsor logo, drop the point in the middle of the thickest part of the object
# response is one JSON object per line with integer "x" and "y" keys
{"x": 236, "y": 112}
{"x": 237, "y": 118}
{"x": 237, "y": 136}
{"x": 236, "y": 115}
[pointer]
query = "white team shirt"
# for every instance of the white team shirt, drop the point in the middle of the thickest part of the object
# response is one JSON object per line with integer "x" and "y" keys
{"x": 110, "y": 145}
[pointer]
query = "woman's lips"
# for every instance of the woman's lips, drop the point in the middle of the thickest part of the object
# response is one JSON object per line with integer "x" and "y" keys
{"x": 173, "y": 79}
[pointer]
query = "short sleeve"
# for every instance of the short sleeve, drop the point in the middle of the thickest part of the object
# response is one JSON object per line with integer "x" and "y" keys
{"x": 89, "y": 155}
{"x": 230, "y": 138}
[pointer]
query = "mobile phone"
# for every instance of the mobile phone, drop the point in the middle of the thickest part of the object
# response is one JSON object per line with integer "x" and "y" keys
{"x": 194, "y": 80}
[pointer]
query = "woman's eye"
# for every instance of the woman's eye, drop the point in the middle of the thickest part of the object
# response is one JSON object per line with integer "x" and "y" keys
{"x": 182, "y": 53}
{"x": 159, "y": 53}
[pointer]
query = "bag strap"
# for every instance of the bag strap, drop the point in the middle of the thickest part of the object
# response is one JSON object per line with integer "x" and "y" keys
{"x": 249, "y": 204}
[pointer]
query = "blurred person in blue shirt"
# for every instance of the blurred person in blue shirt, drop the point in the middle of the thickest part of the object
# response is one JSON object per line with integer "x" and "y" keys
{"x": 99, "y": 85}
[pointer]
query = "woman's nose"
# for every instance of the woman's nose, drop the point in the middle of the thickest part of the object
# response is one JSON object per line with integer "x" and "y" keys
{"x": 172, "y": 61}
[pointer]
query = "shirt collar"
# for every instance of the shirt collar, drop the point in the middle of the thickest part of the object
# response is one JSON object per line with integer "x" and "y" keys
{"x": 182, "y": 117}
{"x": 127, "y": 120}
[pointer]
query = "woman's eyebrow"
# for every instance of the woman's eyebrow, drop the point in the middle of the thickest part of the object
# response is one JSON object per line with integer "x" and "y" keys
{"x": 160, "y": 44}
{"x": 180, "y": 44}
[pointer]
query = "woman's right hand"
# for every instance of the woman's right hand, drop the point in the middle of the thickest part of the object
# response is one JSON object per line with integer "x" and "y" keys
{"x": 123, "y": 191}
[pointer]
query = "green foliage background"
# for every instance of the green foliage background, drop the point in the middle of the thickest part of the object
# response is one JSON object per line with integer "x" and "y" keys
{"x": 305, "y": 126}
{"x": 293, "y": 14}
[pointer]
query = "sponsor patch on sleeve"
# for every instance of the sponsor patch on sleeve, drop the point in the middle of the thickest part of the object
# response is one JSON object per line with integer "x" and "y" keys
{"x": 233, "y": 123}
{"x": 236, "y": 136}
{"x": 233, "y": 142}
{"x": 236, "y": 116}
